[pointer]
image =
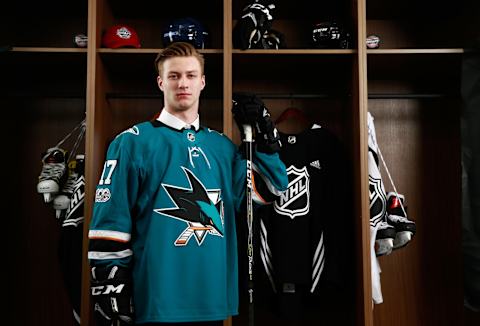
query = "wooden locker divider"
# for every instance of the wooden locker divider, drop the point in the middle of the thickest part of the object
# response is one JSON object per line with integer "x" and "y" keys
{"x": 97, "y": 85}
{"x": 361, "y": 187}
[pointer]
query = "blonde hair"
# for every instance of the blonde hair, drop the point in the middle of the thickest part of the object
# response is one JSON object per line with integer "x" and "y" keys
{"x": 178, "y": 49}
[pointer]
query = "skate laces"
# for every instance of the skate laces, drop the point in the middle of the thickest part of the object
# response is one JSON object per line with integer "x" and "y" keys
{"x": 73, "y": 176}
{"x": 80, "y": 135}
{"x": 51, "y": 170}
{"x": 53, "y": 164}
{"x": 391, "y": 181}
{"x": 384, "y": 225}
{"x": 56, "y": 177}
{"x": 69, "y": 185}
{"x": 81, "y": 125}
{"x": 398, "y": 218}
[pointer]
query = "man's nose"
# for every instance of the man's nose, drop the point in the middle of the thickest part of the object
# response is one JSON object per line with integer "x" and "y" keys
{"x": 183, "y": 82}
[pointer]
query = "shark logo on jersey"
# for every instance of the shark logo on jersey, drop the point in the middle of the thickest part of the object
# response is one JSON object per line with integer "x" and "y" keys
{"x": 200, "y": 208}
{"x": 296, "y": 200}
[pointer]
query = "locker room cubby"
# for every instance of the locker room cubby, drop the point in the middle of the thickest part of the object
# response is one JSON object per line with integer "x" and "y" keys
{"x": 417, "y": 120}
{"x": 48, "y": 25}
{"x": 43, "y": 97}
{"x": 411, "y": 84}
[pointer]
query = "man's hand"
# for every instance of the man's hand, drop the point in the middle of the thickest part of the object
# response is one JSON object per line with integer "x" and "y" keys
{"x": 249, "y": 109}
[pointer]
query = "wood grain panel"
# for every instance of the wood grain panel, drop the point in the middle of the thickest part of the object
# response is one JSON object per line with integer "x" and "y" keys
{"x": 420, "y": 141}
{"x": 35, "y": 288}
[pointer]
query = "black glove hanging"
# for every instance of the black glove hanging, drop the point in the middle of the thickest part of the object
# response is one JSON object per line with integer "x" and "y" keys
{"x": 249, "y": 109}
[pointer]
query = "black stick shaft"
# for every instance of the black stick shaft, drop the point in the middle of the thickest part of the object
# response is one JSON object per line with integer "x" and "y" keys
{"x": 248, "y": 146}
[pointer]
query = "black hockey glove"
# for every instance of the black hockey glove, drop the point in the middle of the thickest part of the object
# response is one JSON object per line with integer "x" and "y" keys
{"x": 271, "y": 39}
{"x": 111, "y": 291}
{"x": 255, "y": 20}
{"x": 248, "y": 109}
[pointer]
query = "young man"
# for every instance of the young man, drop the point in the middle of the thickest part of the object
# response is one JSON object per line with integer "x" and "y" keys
{"x": 163, "y": 225}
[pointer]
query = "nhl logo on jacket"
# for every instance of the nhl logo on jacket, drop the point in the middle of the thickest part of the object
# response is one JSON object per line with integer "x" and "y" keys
{"x": 296, "y": 200}
{"x": 190, "y": 136}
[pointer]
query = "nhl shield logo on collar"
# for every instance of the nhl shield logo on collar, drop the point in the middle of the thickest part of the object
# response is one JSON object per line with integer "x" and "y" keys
{"x": 292, "y": 139}
{"x": 191, "y": 136}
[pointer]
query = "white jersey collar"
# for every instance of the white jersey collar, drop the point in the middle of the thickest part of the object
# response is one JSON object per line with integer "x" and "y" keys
{"x": 176, "y": 123}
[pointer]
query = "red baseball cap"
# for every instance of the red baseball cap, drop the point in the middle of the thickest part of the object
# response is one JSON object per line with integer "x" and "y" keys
{"x": 120, "y": 36}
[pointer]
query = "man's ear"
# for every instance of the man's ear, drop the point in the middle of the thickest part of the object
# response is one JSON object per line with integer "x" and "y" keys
{"x": 203, "y": 82}
{"x": 160, "y": 83}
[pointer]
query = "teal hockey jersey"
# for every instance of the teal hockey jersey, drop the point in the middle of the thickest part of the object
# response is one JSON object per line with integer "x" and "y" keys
{"x": 165, "y": 206}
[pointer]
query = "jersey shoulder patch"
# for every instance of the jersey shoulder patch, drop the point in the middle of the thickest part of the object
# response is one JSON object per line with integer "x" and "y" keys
{"x": 132, "y": 130}
{"x": 210, "y": 130}
{"x": 137, "y": 129}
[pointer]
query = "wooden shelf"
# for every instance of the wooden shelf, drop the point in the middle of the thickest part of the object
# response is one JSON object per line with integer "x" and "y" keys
{"x": 297, "y": 51}
{"x": 151, "y": 50}
{"x": 416, "y": 51}
{"x": 49, "y": 49}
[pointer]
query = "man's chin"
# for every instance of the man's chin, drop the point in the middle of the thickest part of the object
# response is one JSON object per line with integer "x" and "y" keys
{"x": 183, "y": 105}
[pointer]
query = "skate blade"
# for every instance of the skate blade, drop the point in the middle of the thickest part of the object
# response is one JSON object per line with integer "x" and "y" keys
{"x": 383, "y": 247}
{"x": 402, "y": 239}
{"x": 61, "y": 202}
{"x": 59, "y": 213}
{"x": 47, "y": 187}
{"x": 47, "y": 197}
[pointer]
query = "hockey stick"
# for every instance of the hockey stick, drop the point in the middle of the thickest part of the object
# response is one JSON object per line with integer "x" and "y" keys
{"x": 248, "y": 149}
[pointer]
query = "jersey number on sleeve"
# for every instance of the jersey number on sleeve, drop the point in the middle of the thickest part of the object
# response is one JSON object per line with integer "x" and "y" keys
{"x": 108, "y": 168}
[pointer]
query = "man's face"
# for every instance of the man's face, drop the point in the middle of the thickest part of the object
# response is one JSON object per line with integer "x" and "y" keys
{"x": 181, "y": 82}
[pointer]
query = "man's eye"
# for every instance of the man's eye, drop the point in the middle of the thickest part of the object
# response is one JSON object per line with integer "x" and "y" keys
{"x": 192, "y": 76}
{"x": 172, "y": 76}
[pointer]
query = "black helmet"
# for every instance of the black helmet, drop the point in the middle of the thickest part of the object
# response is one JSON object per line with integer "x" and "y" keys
{"x": 330, "y": 35}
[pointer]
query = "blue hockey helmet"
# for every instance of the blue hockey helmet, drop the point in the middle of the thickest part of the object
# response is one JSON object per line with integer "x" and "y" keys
{"x": 186, "y": 30}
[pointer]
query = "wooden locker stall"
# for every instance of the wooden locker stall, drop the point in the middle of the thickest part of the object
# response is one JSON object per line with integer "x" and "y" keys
{"x": 414, "y": 95}
{"x": 421, "y": 148}
{"x": 323, "y": 83}
{"x": 43, "y": 91}
{"x": 282, "y": 81}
